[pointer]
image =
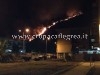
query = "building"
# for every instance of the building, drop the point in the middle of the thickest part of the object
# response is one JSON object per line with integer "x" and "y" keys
{"x": 63, "y": 43}
{"x": 89, "y": 26}
{"x": 71, "y": 40}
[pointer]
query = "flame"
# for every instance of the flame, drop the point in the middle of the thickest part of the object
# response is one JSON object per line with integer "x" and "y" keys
{"x": 43, "y": 31}
{"x": 75, "y": 15}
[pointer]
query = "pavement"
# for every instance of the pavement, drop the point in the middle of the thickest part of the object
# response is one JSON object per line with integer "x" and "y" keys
{"x": 81, "y": 69}
{"x": 35, "y": 67}
{"x": 96, "y": 70}
{"x": 45, "y": 67}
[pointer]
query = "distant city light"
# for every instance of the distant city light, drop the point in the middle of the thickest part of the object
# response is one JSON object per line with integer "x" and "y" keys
{"x": 8, "y": 50}
{"x": 21, "y": 51}
{"x": 98, "y": 48}
{"x": 19, "y": 30}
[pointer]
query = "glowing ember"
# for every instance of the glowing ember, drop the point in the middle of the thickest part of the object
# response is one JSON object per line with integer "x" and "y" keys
{"x": 72, "y": 12}
{"x": 43, "y": 31}
{"x": 75, "y": 15}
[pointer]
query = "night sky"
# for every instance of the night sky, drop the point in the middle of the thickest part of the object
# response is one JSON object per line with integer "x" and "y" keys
{"x": 17, "y": 14}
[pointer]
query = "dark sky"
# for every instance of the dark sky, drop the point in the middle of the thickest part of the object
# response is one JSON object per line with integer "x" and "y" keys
{"x": 15, "y": 14}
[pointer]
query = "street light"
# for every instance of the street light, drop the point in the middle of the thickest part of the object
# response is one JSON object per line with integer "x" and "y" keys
{"x": 47, "y": 44}
{"x": 99, "y": 35}
{"x": 27, "y": 30}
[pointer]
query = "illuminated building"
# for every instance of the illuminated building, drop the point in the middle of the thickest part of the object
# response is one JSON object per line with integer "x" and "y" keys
{"x": 63, "y": 44}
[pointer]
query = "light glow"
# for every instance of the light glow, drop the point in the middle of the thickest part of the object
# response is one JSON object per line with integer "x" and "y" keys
{"x": 27, "y": 29}
{"x": 48, "y": 38}
{"x": 54, "y": 23}
{"x": 43, "y": 31}
{"x": 19, "y": 30}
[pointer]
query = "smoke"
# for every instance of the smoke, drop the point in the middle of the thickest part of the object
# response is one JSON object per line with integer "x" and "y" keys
{"x": 39, "y": 30}
{"x": 72, "y": 11}
{"x": 47, "y": 9}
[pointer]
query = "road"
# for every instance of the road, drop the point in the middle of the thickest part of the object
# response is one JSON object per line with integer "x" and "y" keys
{"x": 97, "y": 68}
{"x": 82, "y": 69}
{"x": 34, "y": 67}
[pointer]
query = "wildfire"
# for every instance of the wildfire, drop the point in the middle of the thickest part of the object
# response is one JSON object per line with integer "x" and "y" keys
{"x": 75, "y": 15}
{"x": 41, "y": 29}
